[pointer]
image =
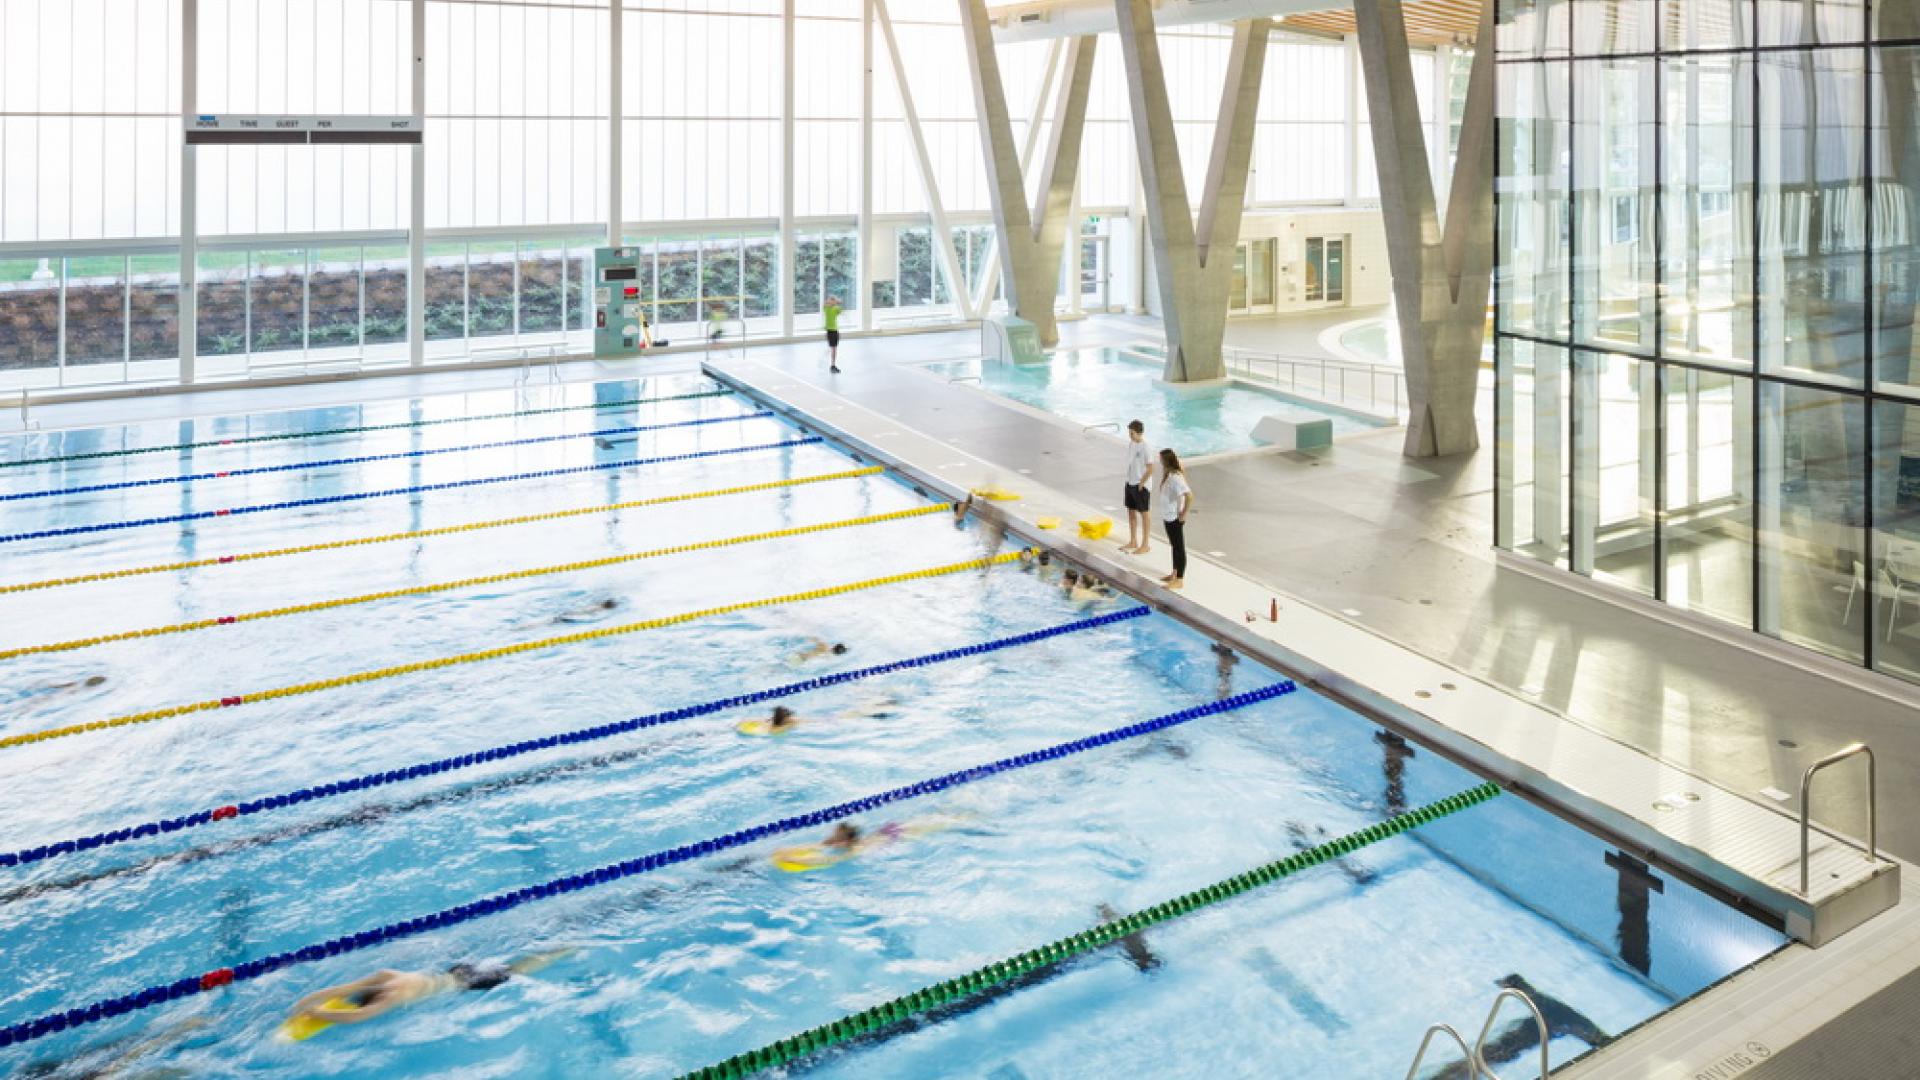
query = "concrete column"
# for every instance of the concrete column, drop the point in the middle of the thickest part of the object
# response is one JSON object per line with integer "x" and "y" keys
{"x": 1440, "y": 279}
{"x": 1030, "y": 241}
{"x": 1036, "y": 121}
{"x": 1192, "y": 261}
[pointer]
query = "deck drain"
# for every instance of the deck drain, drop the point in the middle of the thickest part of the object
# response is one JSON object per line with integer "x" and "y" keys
{"x": 1448, "y": 686}
{"x": 1423, "y": 693}
{"x": 1789, "y": 744}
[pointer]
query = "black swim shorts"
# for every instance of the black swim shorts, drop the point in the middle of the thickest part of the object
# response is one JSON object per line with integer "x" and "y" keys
{"x": 1137, "y": 498}
{"x": 833, "y": 338}
{"x": 470, "y": 977}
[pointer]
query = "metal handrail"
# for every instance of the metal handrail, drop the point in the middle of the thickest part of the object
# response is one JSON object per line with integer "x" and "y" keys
{"x": 1539, "y": 1020}
{"x": 1873, "y": 814}
{"x": 966, "y": 378}
{"x": 1472, "y": 1059}
{"x": 1246, "y": 359}
{"x": 1477, "y": 1067}
{"x": 1114, "y": 424}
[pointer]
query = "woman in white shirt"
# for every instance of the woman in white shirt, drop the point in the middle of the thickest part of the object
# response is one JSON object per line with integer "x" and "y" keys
{"x": 1176, "y": 498}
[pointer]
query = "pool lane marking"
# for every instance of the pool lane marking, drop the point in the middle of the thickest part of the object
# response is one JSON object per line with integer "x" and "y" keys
{"x": 326, "y": 432}
{"x": 417, "y": 666}
{"x": 247, "y": 971}
{"x": 464, "y": 583}
{"x": 363, "y": 459}
{"x": 450, "y": 485}
{"x": 445, "y": 530}
{"x": 248, "y": 808}
{"x": 941, "y": 994}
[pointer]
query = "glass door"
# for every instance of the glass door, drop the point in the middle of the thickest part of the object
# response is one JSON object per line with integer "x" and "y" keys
{"x": 1093, "y": 273}
{"x": 1326, "y": 270}
{"x": 1260, "y": 274}
{"x": 1237, "y": 296}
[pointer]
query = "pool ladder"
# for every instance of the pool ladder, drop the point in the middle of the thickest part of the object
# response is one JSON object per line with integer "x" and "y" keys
{"x": 1477, "y": 1068}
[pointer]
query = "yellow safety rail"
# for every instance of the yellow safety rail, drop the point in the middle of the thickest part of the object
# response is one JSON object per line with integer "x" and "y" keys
{"x": 338, "y": 681}
{"x": 526, "y": 519}
{"x": 485, "y": 579}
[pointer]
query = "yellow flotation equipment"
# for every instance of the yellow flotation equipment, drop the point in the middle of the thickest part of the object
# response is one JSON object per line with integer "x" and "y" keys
{"x": 804, "y": 857}
{"x": 762, "y": 728}
{"x": 303, "y": 1027}
{"x": 995, "y": 494}
{"x": 1048, "y": 523}
{"x": 1095, "y": 528}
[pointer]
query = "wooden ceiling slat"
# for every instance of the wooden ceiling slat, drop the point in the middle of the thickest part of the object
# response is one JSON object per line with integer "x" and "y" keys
{"x": 1429, "y": 22}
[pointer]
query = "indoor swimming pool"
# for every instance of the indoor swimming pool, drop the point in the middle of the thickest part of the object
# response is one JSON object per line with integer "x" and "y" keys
{"x": 478, "y": 687}
{"x": 1110, "y": 386}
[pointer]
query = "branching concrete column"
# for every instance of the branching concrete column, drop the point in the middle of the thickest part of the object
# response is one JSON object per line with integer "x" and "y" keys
{"x": 1030, "y": 243}
{"x": 1193, "y": 263}
{"x": 1440, "y": 280}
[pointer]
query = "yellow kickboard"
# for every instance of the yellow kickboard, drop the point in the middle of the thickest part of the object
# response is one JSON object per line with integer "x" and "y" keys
{"x": 1096, "y": 528}
{"x": 805, "y": 857}
{"x": 301, "y": 1028}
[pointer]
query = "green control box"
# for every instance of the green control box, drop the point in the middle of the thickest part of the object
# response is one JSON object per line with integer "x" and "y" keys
{"x": 619, "y": 314}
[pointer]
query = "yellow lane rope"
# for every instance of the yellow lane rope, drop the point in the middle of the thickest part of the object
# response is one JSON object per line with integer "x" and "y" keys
{"x": 463, "y": 583}
{"x": 554, "y": 515}
{"x": 496, "y": 653}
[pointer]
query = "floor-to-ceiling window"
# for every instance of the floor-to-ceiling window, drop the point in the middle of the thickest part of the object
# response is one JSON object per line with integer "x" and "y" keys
{"x": 1707, "y": 277}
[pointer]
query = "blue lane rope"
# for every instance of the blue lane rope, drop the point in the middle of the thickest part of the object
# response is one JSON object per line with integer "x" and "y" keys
{"x": 581, "y": 735}
{"x": 200, "y": 515}
{"x": 188, "y": 986}
{"x": 293, "y": 466}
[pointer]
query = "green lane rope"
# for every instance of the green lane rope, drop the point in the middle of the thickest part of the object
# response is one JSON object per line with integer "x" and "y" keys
{"x": 355, "y": 430}
{"x": 927, "y": 999}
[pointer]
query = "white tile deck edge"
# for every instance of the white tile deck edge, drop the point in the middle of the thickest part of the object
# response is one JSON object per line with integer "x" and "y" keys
{"x": 1741, "y": 846}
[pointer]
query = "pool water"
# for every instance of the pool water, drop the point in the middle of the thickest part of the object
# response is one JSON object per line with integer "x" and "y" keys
{"x": 1334, "y": 972}
{"x": 1371, "y": 341}
{"x": 1111, "y": 386}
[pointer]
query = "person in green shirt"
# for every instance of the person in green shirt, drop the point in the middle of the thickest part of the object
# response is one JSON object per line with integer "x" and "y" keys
{"x": 832, "y": 311}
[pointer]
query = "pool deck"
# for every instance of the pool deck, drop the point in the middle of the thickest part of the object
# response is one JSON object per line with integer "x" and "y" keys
{"x": 953, "y": 438}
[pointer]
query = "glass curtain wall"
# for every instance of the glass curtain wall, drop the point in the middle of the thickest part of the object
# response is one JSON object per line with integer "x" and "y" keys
{"x": 1706, "y": 286}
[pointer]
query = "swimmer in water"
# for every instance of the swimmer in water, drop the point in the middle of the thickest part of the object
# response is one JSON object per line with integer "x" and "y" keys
{"x": 784, "y": 720}
{"x": 386, "y": 990}
{"x": 1084, "y": 589}
{"x": 818, "y": 648}
{"x": 961, "y": 509}
{"x": 87, "y": 683}
{"x": 593, "y": 612}
{"x": 126, "y": 1056}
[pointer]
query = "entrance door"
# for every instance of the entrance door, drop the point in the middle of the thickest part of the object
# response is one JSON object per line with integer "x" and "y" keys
{"x": 1326, "y": 270}
{"x": 1093, "y": 273}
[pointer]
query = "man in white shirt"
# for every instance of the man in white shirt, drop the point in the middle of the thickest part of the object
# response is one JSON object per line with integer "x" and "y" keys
{"x": 1138, "y": 497}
